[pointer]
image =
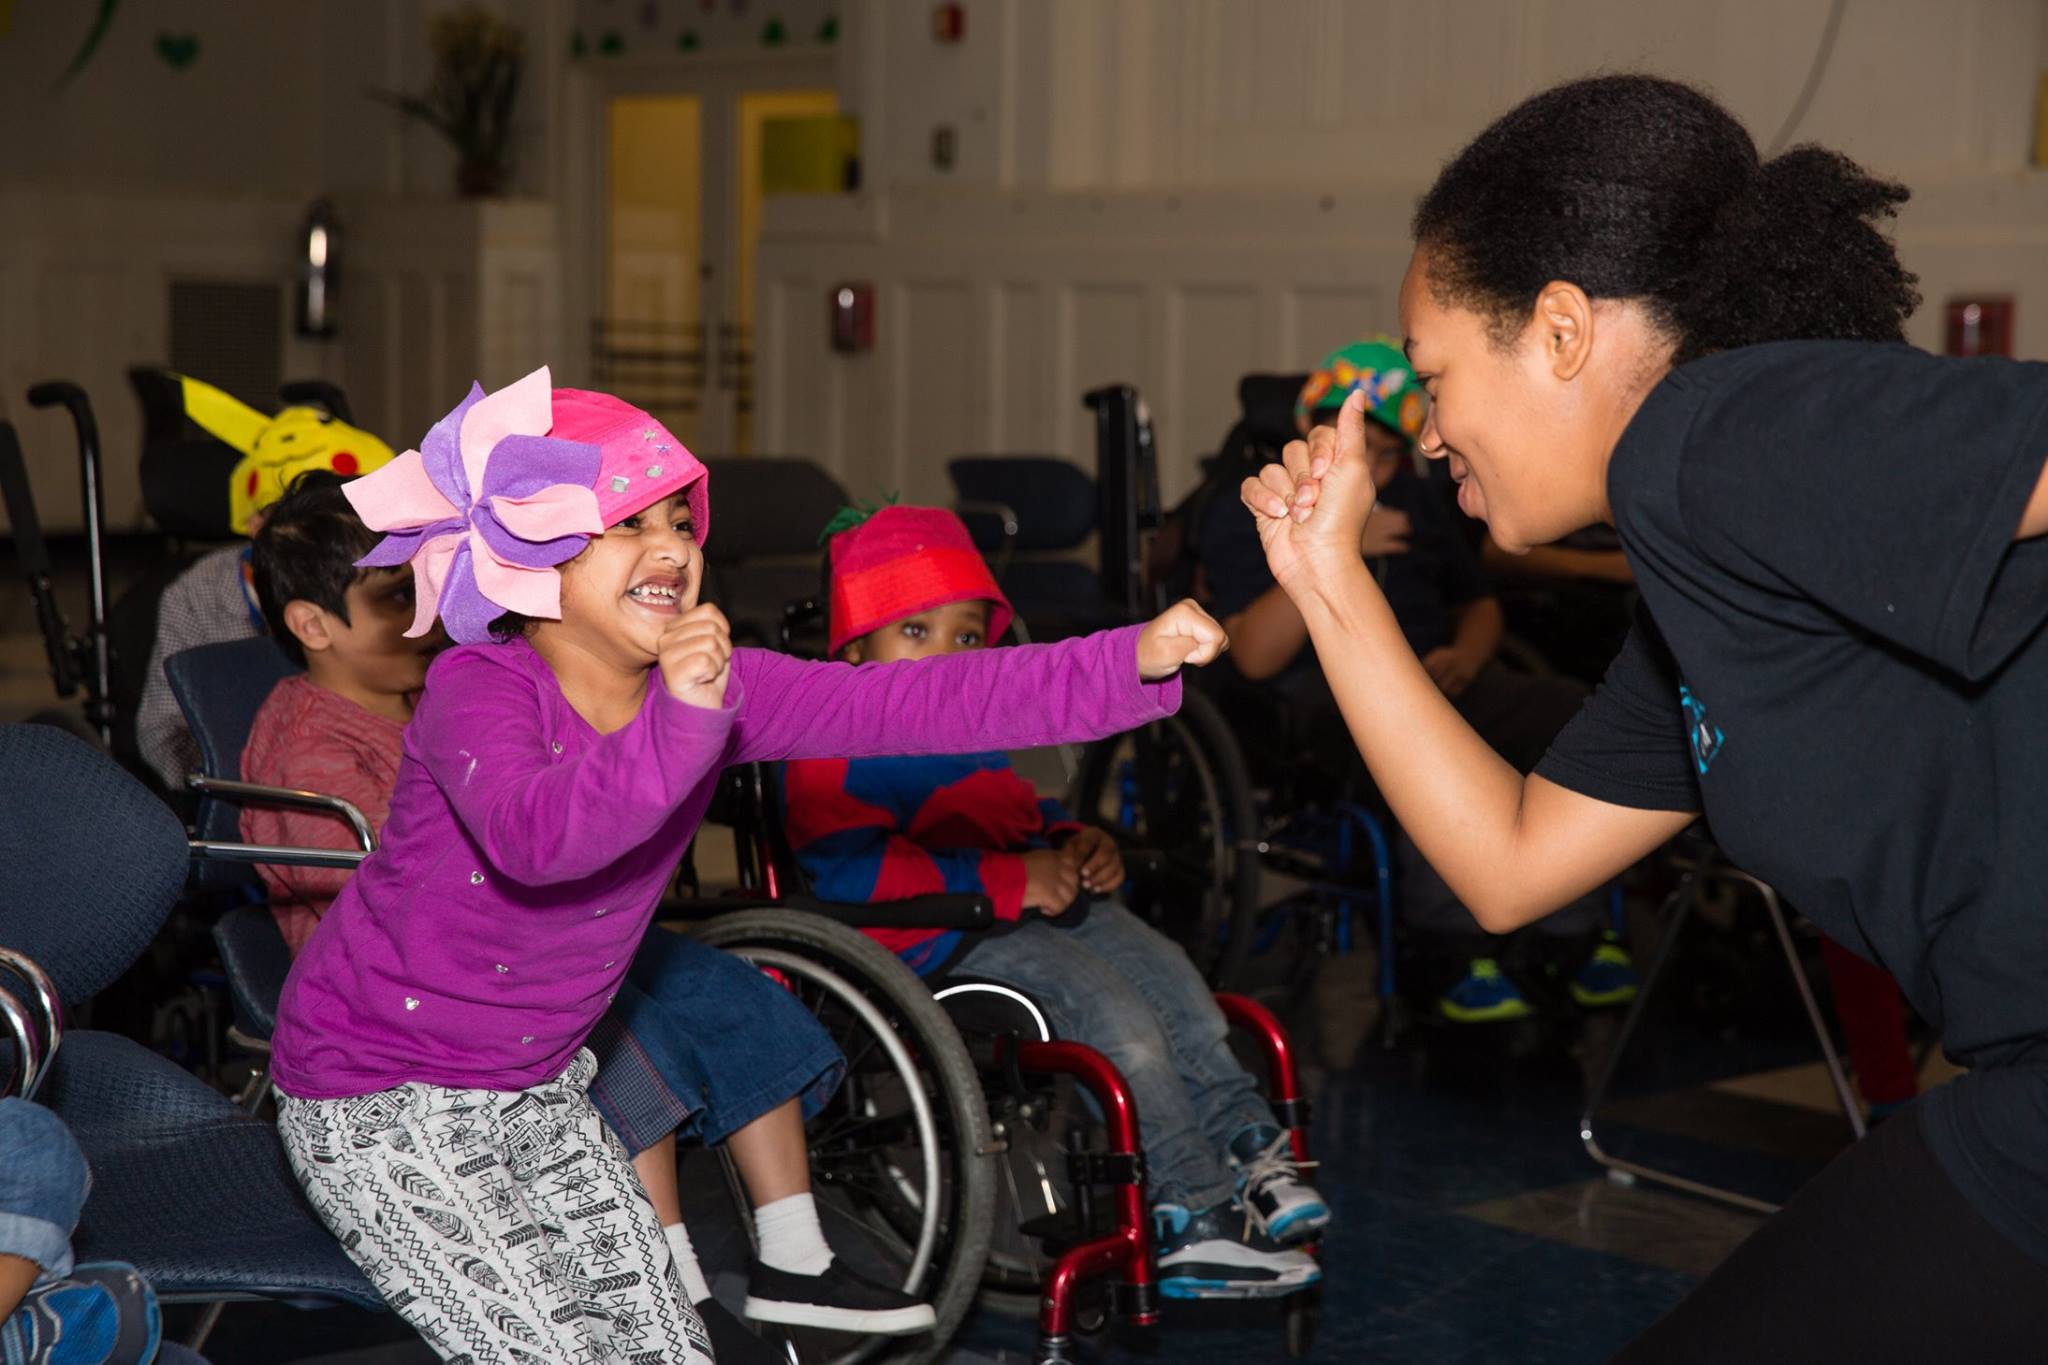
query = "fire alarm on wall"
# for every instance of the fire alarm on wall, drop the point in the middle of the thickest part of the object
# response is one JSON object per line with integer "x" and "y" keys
{"x": 1980, "y": 326}
{"x": 949, "y": 23}
{"x": 853, "y": 317}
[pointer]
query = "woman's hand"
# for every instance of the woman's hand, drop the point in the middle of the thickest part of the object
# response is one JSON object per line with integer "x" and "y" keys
{"x": 695, "y": 657}
{"x": 1182, "y": 634}
{"x": 1312, "y": 508}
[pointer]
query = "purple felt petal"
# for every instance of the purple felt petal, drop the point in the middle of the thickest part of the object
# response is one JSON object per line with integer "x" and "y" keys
{"x": 521, "y": 466}
{"x": 465, "y": 611}
{"x": 528, "y": 554}
{"x": 441, "y": 452}
{"x": 400, "y": 546}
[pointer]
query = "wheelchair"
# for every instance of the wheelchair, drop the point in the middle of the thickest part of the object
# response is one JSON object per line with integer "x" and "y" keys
{"x": 1086, "y": 1258}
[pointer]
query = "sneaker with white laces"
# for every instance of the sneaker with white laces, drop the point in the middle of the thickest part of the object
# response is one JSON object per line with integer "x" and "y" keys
{"x": 1200, "y": 1259}
{"x": 1270, "y": 1190}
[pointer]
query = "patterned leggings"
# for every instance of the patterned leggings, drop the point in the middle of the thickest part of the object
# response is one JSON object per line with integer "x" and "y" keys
{"x": 506, "y": 1225}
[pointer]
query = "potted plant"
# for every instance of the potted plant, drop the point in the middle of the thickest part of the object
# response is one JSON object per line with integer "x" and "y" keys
{"x": 478, "y": 61}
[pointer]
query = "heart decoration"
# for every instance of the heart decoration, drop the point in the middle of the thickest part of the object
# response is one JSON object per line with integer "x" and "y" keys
{"x": 177, "y": 50}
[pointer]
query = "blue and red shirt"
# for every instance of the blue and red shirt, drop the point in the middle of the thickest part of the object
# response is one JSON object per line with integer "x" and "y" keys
{"x": 878, "y": 829}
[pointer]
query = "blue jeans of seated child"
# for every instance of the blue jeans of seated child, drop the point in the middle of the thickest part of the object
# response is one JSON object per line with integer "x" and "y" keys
{"x": 1113, "y": 982}
{"x": 43, "y": 1184}
{"x": 700, "y": 1043}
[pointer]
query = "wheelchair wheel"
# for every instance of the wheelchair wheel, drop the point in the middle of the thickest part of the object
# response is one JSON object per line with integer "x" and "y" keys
{"x": 900, "y": 1159}
{"x": 1180, "y": 786}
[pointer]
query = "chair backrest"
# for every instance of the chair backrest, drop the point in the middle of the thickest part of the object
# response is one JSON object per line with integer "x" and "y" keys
{"x": 1054, "y": 500}
{"x": 769, "y": 506}
{"x": 90, "y": 860}
{"x": 763, "y": 552}
{"x": 220, "y": 688}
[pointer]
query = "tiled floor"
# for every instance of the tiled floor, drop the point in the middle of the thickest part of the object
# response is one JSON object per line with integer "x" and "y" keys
{"x": 1471, "y": 1224}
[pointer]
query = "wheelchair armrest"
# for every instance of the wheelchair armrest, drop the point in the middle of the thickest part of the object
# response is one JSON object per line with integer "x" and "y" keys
{"x": 943, "y": 911}
{"x": 254, "y": 793}
{"x": 49, "y": 1007}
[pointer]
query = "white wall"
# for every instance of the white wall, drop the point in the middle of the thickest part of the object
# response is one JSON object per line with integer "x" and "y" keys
{"x": 135, "y": 175}
{"x": 1177, "y": 192}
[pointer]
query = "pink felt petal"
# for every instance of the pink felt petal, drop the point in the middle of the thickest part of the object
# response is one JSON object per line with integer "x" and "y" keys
{"x": 398, "y": 497}
{"x": 524, "y": 408}
{"x": 530, "y": 592}
{"x": 429, "y": 573}
{"x": 558, "y": 510}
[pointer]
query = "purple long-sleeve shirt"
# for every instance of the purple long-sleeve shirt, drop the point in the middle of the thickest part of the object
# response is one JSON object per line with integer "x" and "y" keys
{"x": 525, "y": 852}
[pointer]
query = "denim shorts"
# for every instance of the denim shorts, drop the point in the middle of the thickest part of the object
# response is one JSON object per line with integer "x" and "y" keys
{"x": 700, "y": 1044}
{"x": 43, "y": 1184}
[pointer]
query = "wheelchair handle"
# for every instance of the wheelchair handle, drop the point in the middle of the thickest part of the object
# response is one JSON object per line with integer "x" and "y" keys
{"x": 52, "y": 1004}
{"x": 63, "y": 393}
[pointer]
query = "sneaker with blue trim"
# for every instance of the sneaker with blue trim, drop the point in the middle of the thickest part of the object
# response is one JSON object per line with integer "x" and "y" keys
{"x": 1607, "y": 978}
{"x": 100, "y": 1314}
{"x": 1485, "y": 996}
{"x": 1275, "y": 1199}
{"x": 1200, "y": 1259}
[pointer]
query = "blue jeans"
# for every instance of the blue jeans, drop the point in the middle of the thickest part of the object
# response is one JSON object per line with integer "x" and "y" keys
{"x": 700, "y": 1044}
{"x": 43, "y": 1184}
{"x": 1126, "y": 990}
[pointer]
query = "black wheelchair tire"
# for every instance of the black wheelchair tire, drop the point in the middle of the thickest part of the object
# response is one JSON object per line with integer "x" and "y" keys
{"x": 923, "y": 1024}
{"x": 1201, "y": 728}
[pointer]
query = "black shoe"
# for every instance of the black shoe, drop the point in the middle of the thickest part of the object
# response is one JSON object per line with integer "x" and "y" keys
{"x": 731, "y": 1342}
{"x": 839, "y": 1300}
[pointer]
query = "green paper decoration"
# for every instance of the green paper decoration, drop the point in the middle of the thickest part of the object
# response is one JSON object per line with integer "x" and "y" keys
{"x": 774, "y": 35}
{"x": 689, "y": 42}
{"x": 828, "y": 32}
{"x": 611, "y": 44}
{"x": 178, "y": 50}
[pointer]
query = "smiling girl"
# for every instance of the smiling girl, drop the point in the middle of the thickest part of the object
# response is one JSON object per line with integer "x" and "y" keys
{"x": 430, "y": 1041}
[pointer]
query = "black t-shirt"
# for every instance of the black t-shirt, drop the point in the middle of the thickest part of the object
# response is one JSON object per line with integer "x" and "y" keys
{"x": 1846, "y": 672}
{"x": 1425, "y": 586}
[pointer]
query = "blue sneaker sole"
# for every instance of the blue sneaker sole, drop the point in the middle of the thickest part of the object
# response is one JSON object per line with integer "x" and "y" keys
{"x": 1298, "y": 1225}
{"x": 1188, "y": 1288}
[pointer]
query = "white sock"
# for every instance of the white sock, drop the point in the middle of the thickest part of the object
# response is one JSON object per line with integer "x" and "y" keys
{"x": 791, "y": 1239}
{"x": 686, "y": 1263}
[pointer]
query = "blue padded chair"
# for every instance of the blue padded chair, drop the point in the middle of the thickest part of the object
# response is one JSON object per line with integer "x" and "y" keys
{"x": 194, "y": 1192}
{"x": 220, "y": 688}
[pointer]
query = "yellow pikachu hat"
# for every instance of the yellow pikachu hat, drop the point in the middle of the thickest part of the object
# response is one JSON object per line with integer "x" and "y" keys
{"x": 276, "y": 450}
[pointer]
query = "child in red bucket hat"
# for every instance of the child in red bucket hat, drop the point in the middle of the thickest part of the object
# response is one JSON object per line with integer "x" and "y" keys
{"x": 907, "y": 583}
{"x": 431, "y": 1046}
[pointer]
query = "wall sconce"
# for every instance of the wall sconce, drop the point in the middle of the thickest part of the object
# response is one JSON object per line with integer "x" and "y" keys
{"x": 319, "y": 271}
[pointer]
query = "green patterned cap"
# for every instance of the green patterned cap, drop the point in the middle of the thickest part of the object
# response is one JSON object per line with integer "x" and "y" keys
{"x": 1392, "y": 397}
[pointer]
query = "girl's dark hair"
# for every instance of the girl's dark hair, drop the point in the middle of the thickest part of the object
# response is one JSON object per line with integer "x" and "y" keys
{"x": 307, "y": 551}
{"x": 1633, "y": 187}
{"x": 508, "y": 625}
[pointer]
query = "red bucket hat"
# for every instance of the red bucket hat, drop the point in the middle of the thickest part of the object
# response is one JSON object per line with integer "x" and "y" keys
{"x": 904, "y": 560}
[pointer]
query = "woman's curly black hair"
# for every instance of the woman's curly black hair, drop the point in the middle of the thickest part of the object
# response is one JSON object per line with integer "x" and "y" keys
{"x": 1632, "y": 187}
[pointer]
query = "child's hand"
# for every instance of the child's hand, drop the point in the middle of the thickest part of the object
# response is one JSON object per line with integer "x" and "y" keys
{"x": 1102, "y": 863}
{"x": 695, "y": 655}
{"x": 1052, "y": 878}
{"x": 1182, "y": 634}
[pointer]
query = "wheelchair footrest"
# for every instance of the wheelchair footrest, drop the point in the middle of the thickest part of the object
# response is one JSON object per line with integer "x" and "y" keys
{"x": 1106, "y": 1168}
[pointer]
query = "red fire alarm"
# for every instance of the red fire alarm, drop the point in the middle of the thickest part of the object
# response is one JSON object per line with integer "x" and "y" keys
{"x": 949, "y": 23}
{"x": 853, "y": 317}
{"x": 1980, "y": 326}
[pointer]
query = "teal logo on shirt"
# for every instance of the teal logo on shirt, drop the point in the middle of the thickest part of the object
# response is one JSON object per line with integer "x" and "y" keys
{"x": 1706, "y": 737}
